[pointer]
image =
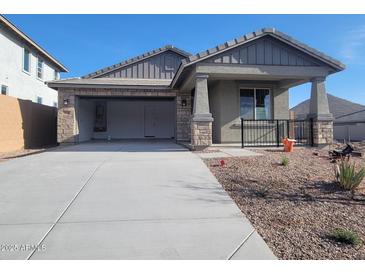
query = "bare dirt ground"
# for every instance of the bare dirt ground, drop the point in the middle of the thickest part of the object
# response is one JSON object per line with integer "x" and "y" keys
{"x": 295, "y": 207}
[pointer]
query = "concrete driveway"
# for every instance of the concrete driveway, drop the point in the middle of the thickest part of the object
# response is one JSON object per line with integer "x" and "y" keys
{"x": 127, "y": 200}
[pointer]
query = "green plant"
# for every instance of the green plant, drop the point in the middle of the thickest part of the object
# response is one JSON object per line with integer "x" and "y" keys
{"x": 347, "y": 176}
{"x": 284, "y": 161}
{"x": 263, "y": 192}
{"x": 345, "y": 236}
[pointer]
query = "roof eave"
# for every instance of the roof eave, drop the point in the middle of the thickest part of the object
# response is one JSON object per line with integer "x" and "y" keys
{"x": 109, "y": 86}
{"x": 331, "y": 62}
{"x": 26, "y": 38}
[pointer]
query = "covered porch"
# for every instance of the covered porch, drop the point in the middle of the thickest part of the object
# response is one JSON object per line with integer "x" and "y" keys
{"x": 249, "y": 78}
{"x": 234, "y": 102}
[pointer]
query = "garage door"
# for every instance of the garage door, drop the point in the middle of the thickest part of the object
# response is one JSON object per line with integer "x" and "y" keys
{"x": 136, "y": 118}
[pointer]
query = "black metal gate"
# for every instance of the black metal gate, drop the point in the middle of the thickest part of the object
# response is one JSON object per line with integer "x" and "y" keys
{"x": 261, "y": 133}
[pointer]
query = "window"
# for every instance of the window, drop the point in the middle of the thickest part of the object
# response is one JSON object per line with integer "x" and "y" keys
{"x": 246, "y": 103}
{"x": 56, "y": 75}
{"x": 100, "y": 117}
{"x": 255, "y": 104}
{"x": 39, "y": 100}
{"x": 40, "y": 68}
{"x": 4, "y": 90}
{"x": 26, "y": 60}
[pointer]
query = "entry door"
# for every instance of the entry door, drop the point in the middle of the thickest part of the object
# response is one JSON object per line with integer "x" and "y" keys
{"x": 150, "y": 121}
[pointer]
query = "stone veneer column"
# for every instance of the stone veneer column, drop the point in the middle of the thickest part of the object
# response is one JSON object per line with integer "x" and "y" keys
{"x": 66, "y": 124}
{"x": 183, "y": 115}
{"x": 201, "y": 122}
{"x": 319, "y": 112}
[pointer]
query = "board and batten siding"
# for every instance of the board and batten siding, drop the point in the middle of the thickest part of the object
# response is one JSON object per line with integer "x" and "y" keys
{"x": 264, "y": 51}
{"x": 159, "y": 66}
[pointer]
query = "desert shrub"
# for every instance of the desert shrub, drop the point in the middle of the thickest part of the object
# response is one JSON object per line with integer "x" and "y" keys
{"x": 263, "y": 192}
{"x": 285, "y": 161}
{"x": 345, "y": 236}
{"x": 347, "y": 176}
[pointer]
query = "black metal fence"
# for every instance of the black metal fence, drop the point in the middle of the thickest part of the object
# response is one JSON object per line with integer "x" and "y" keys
{"x": 260, "y": 133}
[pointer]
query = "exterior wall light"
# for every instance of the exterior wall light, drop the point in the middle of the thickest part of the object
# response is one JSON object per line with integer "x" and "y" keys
{"x": 184, "y": 103}
{"x": 66, "y": 101}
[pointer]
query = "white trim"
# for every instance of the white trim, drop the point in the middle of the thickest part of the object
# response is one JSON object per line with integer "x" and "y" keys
{"x": 24, "y": 48}
{"x": 254, "y": 88}
{"x": 56, "y": 75}
{"x": 41, "y": 100}
{"x": 39, "y": 59}
{"x": 30, "y": 42}
{"x": 6, "y": 90}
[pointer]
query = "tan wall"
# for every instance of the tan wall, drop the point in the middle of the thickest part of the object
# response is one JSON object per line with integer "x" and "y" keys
{"x": 24, "y": 124}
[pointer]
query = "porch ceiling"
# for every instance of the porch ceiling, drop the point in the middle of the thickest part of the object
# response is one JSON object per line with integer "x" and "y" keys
{"x": 257, "y": 72}
{"x": 283, "y": 76}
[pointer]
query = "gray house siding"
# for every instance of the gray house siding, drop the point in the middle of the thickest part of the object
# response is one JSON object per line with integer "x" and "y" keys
{"x": 224, "y": 100}
{"x": 264, "y": 51}
{"x": 160, "y": 66}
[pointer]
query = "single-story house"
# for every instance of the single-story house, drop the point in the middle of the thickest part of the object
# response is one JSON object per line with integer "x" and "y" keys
{"x": 199, "y": 99}
{"x": 349, "y": 118}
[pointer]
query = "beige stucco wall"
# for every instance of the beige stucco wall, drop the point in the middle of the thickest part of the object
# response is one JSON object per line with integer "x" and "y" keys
{"x": 25, "y": 124}
{"x": 224, "y": 104}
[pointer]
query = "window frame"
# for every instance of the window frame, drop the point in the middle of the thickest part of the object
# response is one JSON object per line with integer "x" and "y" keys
{"x": 39, "y": 59}
{"x": 254, "y": 99}
{"x": 29, "y": 61}
{"x": 56, "y": 75}
{"x": 6, "y": 90}
{"x": 39, "y": 101}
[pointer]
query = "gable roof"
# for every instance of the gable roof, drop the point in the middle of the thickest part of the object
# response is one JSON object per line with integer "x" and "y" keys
{"x": 137, "y": 59}
{"x": 341, "y": 109}
{"x": 193, "y": 59}
{"x": 10, "y": 26}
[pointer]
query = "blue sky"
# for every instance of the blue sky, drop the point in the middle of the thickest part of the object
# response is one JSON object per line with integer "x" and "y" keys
{"x": 85, "y": 43}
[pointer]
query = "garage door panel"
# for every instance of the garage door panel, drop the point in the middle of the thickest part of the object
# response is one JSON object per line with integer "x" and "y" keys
{"x": 129, "y": 118}
{"x": 125, "y": 119}
{"x": 159, "y": 120}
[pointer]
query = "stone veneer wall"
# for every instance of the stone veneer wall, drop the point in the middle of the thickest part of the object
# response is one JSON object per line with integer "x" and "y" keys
{"x": 201, "y": 134}
{"x": 67, "y": 127}
{"x": 183, "y": 116}
{"x": 322, "y": 132}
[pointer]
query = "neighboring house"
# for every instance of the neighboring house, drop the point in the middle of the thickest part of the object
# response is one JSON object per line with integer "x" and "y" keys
{"x": 349, "y": 118}
{"x": 25, "y": 67}
{"x": 168, "y": 93}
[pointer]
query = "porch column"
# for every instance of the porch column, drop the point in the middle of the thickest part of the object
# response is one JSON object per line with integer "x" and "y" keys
{"x": 201, "y": 122}
{"x": 319, "y": 112}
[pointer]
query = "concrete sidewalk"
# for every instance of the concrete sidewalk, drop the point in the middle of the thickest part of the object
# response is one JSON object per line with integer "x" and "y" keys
{"x": 127, "y": 200}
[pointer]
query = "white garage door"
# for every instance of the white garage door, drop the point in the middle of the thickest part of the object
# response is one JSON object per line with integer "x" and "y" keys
{"x": 140, "y": 119}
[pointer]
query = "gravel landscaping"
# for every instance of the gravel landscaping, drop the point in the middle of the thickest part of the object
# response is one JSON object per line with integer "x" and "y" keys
{"x": 295, "y": 208}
